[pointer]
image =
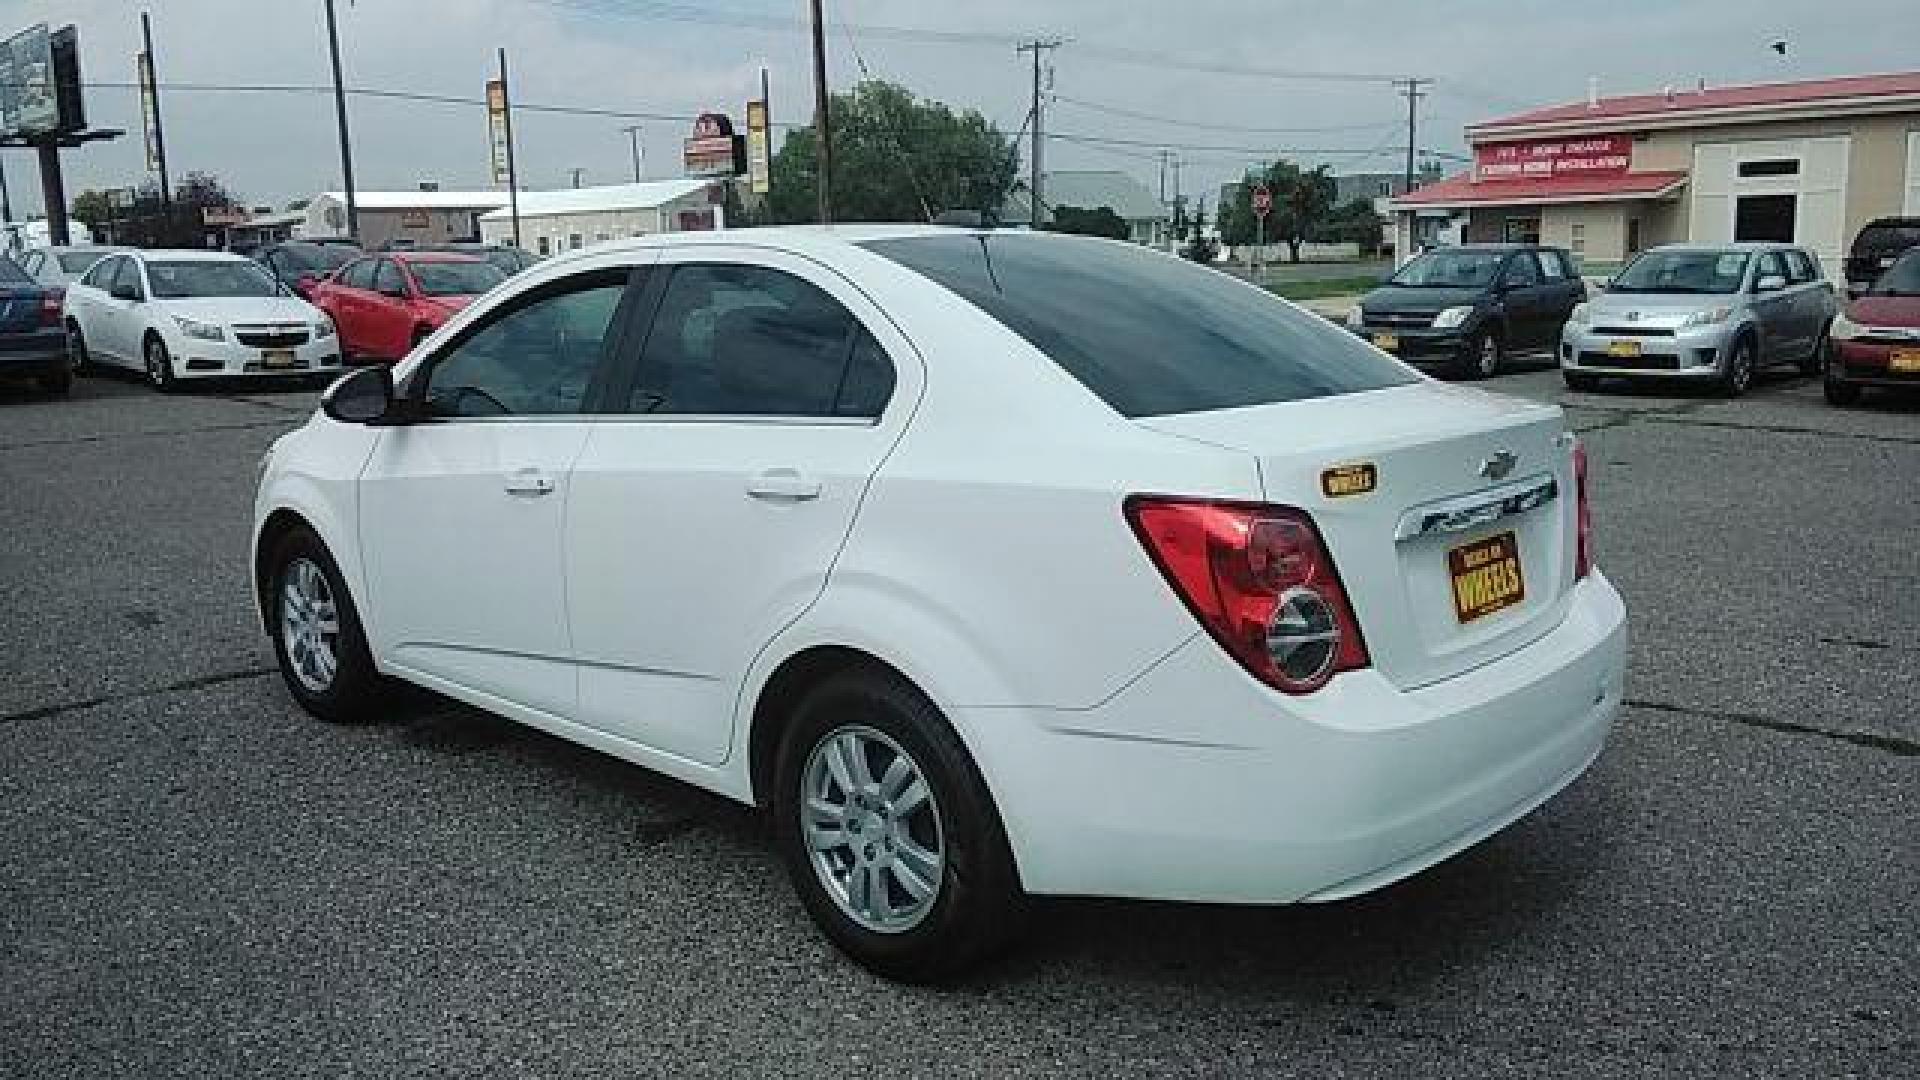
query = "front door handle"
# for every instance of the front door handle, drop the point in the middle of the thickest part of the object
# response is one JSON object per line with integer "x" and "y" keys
{"x": 786, "y": 484}
{"x": 529, "y": 483}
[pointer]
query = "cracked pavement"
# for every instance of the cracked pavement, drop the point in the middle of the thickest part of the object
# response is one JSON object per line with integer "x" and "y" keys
{"x": 196, "y": 879}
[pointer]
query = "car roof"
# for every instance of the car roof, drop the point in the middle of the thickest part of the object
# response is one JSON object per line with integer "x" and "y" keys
{"x": 190, "y": 255}
{"x": 432, "y": 256}
{"x": 81, "y": 249}
{"x": 1739, "y": 245}
{"x": 799, "y": 239}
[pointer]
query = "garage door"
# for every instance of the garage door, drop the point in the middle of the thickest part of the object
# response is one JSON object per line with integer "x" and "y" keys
{"x": 1778, "y": 189}
{"x": 1913, "y": 175}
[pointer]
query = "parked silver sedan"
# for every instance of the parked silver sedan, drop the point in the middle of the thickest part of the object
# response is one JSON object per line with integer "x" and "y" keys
{"x": 1709, "y": 313}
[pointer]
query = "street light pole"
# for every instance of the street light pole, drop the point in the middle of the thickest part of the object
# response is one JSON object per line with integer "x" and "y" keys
{"x": 633, "y": 134}
{"x": 822, "y": 125}
{"x": 513, "y": 176}
{"x": 340, "y": 114}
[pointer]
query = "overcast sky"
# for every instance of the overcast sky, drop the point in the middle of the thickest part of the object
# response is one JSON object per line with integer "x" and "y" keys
{"x": 1489, "y": 57}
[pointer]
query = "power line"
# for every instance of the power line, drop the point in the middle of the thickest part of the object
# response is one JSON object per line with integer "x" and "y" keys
{"x": 1114, "y": 110}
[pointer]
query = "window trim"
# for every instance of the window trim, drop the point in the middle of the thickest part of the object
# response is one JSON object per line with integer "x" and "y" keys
{"x": 621, "y": 392}
{"x": 616, "y": 358}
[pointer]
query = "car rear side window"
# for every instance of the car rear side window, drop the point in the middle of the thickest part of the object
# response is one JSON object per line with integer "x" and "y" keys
{"x": 359, "y": 275}
{"x": 738, "y": 340}
{"x": 1148, "y": 334}
{"x": 1800, "y": 268}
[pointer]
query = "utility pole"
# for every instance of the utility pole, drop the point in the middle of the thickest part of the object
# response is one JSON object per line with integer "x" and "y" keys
{"x": 822, "y": 123}
{"x": 633, "y": 133}
{"x": 1036, "y": 200}
{"x": 159, "y": 136}
{"x": 6, "y": 199}
{"x": 577, "y": 172}
{"x": 340, "y": 114}
{"x": 513, "y": 177}
{"x": 1413, "y": 94}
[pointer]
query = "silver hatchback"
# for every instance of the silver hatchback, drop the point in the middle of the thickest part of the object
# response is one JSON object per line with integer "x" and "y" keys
{"x": 1711, "y": 313}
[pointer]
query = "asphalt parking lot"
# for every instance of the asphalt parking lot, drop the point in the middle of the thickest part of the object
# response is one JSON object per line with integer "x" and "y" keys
{"x": 198, "y": 880}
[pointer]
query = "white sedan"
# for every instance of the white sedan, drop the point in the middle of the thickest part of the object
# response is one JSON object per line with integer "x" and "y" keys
{"x": 989, "y": 565}
{"x": 180, "y": 315}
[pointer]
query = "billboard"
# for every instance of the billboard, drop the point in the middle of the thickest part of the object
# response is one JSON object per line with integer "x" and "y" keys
{"x": 497, "y": 129}
{"x": 714, "y": 150}
{"x": 149, "y": 109}
{"x": 759, "y": 148}
{"x": 29, "y": 103}
{"x": 1543, "y": 159}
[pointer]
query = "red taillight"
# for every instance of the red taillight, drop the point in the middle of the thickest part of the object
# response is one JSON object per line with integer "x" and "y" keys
{"x": 1262, "y": 583}
{"x": 1583, "y": 520}
{"x": 50, "y": 306}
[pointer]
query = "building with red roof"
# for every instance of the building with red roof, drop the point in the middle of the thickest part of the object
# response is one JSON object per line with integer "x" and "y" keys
{"x": 1803, "y": 162}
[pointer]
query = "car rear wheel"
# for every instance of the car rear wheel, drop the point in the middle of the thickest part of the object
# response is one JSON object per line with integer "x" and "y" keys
{"x": 1484, "y": 354}
{"x": 77, "y": 348}
{"x": 1837, "y": 389}
{"x": 889, "y": 834}
{"x": 159, "y": 365}
{"x": 317, "y": 636}
{"x": 1736, "y": 371}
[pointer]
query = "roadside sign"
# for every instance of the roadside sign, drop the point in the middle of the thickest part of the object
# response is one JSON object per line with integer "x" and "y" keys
{"x": 497, "y": 128}
{"x": 759, "y": 151}
{"x": 149, "y": 109}
{"x": 1262, "y": 199}
{"x": 29, "y": 103}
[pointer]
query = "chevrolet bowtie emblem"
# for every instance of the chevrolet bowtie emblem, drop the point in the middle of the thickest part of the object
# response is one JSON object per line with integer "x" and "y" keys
{"x": 1499, "y": 465}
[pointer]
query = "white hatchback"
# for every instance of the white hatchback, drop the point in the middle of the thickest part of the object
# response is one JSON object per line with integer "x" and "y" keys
{"x": 179, "y": 315}
{"x": 989, "y": 564}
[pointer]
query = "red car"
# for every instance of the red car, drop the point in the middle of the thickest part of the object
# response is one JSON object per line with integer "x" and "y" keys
{"x": 1876, "y": 340}
{"x": 384, "y": 305}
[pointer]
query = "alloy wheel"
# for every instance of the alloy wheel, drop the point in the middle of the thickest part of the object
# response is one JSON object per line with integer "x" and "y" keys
{"x": 309, "y": 624}
{"x": 872, "y": 828}
{"x": 157, "y": 364}
{"x": 1741, "y": 368}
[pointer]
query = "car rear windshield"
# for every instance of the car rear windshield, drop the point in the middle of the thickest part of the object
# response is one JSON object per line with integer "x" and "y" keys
{"x": 1902, "y": 278}
{"x": 174, "y": 280}
{"x": 319, "y": 260}
{"x": 1450, "y": 268}
{"x": 79, "y": 262}
{"x": 456, "y": 278}
{"x": 1148, "y": 334}
{"x": 1683, "y": 272}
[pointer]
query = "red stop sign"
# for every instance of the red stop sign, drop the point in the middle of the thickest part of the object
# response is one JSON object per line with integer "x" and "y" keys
{"x": 1262, "y": 200}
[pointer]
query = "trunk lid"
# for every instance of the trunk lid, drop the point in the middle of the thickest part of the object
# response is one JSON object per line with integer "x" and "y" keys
{"x": 20, "y": 308}
{"x": 1433, "y": 495}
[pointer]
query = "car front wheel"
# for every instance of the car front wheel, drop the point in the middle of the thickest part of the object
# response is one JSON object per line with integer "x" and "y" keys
{"x": 316, "y": 632}
{"x": 1838, "y": 391}
{"x": 159, "y": 365}
{"x": 1736, "y": 371}
{"x": 890, "y": 836}
{"x": 1484, "y": 354}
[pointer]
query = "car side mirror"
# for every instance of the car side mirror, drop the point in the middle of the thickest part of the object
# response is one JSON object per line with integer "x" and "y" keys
{"x": 360, "y": 397}
{"x": 1770, "y": 283}
{"x": 125, "y": 292}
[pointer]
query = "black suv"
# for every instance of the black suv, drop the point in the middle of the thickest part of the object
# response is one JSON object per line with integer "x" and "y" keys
{"x": 1881, "y": 242}
{"x": 1472, "y": 305}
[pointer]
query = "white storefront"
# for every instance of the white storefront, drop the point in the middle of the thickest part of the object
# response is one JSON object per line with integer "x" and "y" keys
{"x": 556, "y": 221}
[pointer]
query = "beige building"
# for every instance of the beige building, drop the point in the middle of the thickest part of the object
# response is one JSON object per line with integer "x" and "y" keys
{"x": 401, "y": 218}
{"x": 556, "y": 221}
{"x": 1807, "y": 163}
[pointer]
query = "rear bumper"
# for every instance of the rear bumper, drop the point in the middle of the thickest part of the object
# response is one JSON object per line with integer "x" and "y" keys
{"x": 1197, "y": 784}
{"x": 42, "y": 353}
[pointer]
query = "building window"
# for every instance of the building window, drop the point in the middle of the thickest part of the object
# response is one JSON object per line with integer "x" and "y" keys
{"x": 336, "y": 218}
{"x": 1633, "y": 236}
{"x": 575, "y": 241}
{"x": 1771, "y": 167}
{"x": 1523, "y": 230}
{"x": 544, "y": 246}
{"x": 1578, "y": 240}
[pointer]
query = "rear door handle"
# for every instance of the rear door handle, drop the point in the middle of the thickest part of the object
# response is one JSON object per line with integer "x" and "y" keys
{"x": 529, "y": 483}
{"x": 785, "y": 484}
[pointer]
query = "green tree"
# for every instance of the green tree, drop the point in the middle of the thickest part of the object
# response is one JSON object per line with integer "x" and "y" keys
{"x": 1353, "y": 222}
{"x": 91, "y": 208}
{"x": 895, "y": 158}
{"x": 1302, "y": 199}
{"x": 1100, "y": 221}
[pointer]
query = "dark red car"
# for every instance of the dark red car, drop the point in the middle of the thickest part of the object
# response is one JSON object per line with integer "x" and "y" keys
{"x": 1876, "y": 340}
{"x": 384, "y": 305}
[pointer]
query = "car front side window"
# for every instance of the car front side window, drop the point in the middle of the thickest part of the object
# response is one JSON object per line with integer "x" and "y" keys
{"x": 535, "y": 356}
{"x": 740, "y": 340}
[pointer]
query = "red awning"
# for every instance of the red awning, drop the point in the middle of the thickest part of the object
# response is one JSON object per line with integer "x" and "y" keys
{"x": 1463, "y": 190}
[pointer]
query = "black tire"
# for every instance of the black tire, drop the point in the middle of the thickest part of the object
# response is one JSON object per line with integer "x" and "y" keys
{"x": 1585, "y": 382}
{"x": 1484, "y": 354}
{"x": 1736, "y": 370}
{"x": 977, "y": 907}
{"x": 77, "y": 349}
{"x": 56, "y": 382}
{"x": 159, "y": 365}
{"x": 1815, "y": 361}
{"x": 356, "y": 688}
{"x": 1839, "y": 392}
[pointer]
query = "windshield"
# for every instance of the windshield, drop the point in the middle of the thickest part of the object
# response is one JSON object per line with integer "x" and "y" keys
{"x": 1450, "y": 268}
{"x": 79, "y": 262}
{"x": 176, "y": 280}
{"x": 1148, "y": 334}
{"x": 11, "y": 273}
{"x": 455, "y": 278}
{"x": 319, "y": 261}
{"x": 1901, "y": 279}
{"x": 509, "y": 260}
{"x": 1875, "y": 239}
{"x": 1683, "y": 272}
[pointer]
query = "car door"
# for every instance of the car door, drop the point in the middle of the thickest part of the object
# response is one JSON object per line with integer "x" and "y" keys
{"x": 704, "y": 520}
{"x": 1813, "y": 303}
{"x": 118, "y": 323}
{"x": 340, "y": 298}
{"x": 462, "y": 513}
{"x": 1524, "y": 301}
{"x": 1774, "y": 310}
{"x": 389, "y": 321}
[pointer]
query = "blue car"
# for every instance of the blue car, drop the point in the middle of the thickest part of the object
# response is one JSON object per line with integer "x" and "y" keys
{"x": 32, "y": 343}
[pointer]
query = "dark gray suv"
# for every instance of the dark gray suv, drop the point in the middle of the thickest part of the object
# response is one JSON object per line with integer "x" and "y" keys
{"x": 1472, "y": 305}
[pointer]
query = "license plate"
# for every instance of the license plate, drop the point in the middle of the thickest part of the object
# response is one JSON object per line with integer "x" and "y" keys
{"x": 1903, "y": 360}
{"x": 1486, "y": 576}
{"x": 1626, "y": 349}
{"x": 1388, "y": 342}
{"x": 276, "y": 358}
